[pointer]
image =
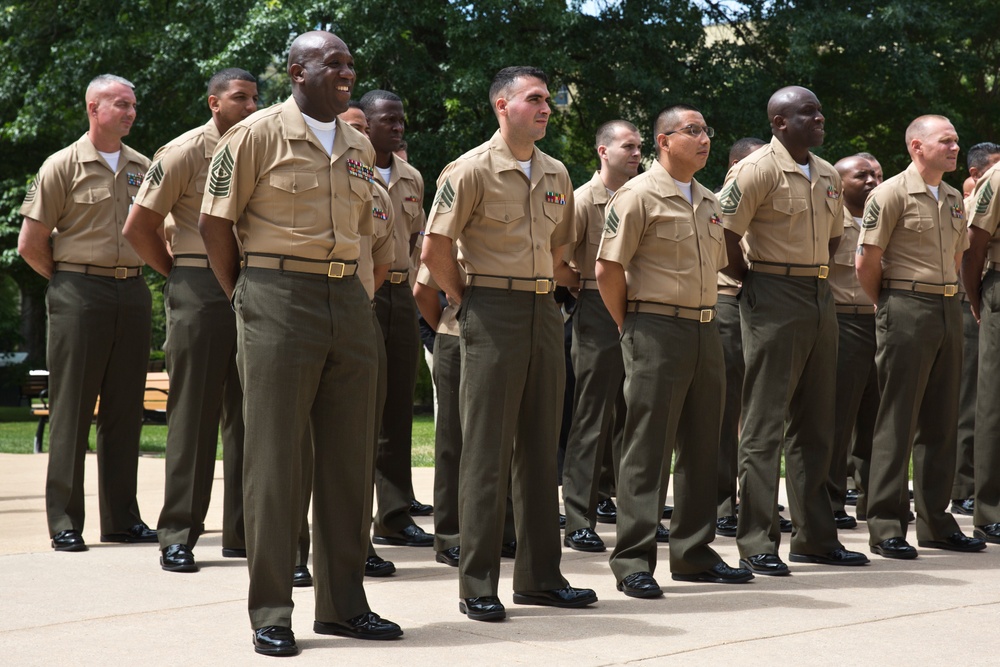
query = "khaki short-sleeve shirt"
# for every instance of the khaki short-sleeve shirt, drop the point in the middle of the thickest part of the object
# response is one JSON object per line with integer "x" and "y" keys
{"x": 919, "y": 236}
{"x": 503, "y": 224}
{"x": 843, "y": 276}
{"x": 787, "y": 218}
{"x": 589, "y": 202}
{"x": 84, "y": 204}
{"x": 377, "y": 249}
{"x": 448, "y": 324}
{"x": 406, "y": 188}
{"x": 984, "y": 210}
{"x": 272, "y": 177}
{"x": 671, "y": 249}
{"x": 175, "y": 186}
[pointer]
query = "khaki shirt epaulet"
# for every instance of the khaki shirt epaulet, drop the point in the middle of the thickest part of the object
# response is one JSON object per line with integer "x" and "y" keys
{"x": 272, "y": 177}
{"x": 589, "y": 203}
{"x": 175, "y": 186}
{"x": 85, "y": 204}
{"x": 671, "y": 250}
{"x": 984, "y": 210}
{"x": 448, "y": 324}
{"x": 502, "y": 224}
{"x": 843, "y": 276}
{"x": 786, "y": 217}
{"x": 406, "y": 188}
{"x": 378, "y": 248}
{"x": 919, "y": 236}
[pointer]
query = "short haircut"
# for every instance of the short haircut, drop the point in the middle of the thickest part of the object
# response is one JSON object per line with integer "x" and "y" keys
{"x": 744, "y": 147}
{"x": 918, "y": 128}
{"x": 100, "y": 82}
{"x": 866, "y": 155}
{"x": 667, "y": 117}
{"x": 979, "y": 155}
{"x": 371, "y": 99}
{"x": 606, "y": 132}
{"x": 353, "y": 104}
{"x": 219, "y": 83}
{"x": 506, "y": 77}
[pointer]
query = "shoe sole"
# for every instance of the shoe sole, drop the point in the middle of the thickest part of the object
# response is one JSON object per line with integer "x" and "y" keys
{"x": 302, "y": 583}
{"x": 123, "y": 539}
{"x": 192, "y": 567}
{"x": 711, "y": 578}
{"x": 451, "y": 562}
{"x": 521, "y": 598}
{"x": 767, "y": 573}
{"x": 427, "y": 512}
{"x": 381, "y": 572}
{"x": 278, "y": 652}
{"x": 234, "y": 553}
{"x": 820, "y": 560}
{"x": 931, "y": 544}
{"x": 589, "y": 549}
{"x": 71, "y": 547}
{"x": 641, "y": 594}
{"x": 847, "y": 525}
{"x": 339, "y": 631}
{"x": 399, "y": 542}
{"x": 992, "y": 539}
{"x": 497, "y": 615}
{"x": 910, "y": 555}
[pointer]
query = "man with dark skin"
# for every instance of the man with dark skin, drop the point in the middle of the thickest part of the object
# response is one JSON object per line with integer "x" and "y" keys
{"x": 787, "y": 203}
{"x": 307, "y": 352}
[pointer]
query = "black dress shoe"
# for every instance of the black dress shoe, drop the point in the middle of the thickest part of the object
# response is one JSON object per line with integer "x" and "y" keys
{"x": 851, "y": 498}
{"x": 562, "y": 521}
{"x": 726, "y": 526}
{"x": 668, "y": 511}
{"x": 955, "y": 542}
{"x": 720, "y": 573}
{"x": 567, "y": 598}
{"x": 835, "y": 557}
{"x": 895, "y": 547}
{"x": 662, "y": 533}
{"x": 910, "y": 517}
{"x": 965, "y": 507}
{"x": 784, "y": 525}
{"x": 178, "y": 558}
{"x": 411, "y": 536}
{"x": 640, "y": 585}
{"x": 375, "y": 566}
{"x": 232, "y": 552}
{"x": 988, "y": 533}
{"x": 584, "y": 539}
{"x": 140, "y": 532}
{"x": 606, "y": 512}
{"x": 301, "y": 577}
{"x": 781, "y": 508}
{"x": 275, "y": 640}
{"x": 486, "y": 608}
{"x": 68, "y": 540}
{"x": 844, "y": 520}
{"x": 769, "y": 564}
{"x": 365, "y": 626}
{"x": 418, "y": 508}
{"x": 508, "y": 549}
{"x": 448, "y": 556}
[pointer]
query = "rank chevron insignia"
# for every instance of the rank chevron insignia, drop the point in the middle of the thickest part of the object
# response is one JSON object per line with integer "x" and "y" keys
{"x": 611, "y": 222}
{"x": 445, "y": 196}
{"x": 871, "y": 215}
{"x": 220, "y": 179}
{"x": 730, "y": 198}
{"x": 155, "y": 174}
{"x": 984, "y": 198}
{"x": 32, "y": 190}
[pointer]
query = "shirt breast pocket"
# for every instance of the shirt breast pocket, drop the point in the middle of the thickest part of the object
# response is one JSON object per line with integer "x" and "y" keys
{"x": 287, "y": 185}
{"x": 671, "y": 238}
{"x": 789, "y": 209}
{"x": 91, "y": 196}
{"x": 503, "y": 231}
{"x": 362, "y": 202}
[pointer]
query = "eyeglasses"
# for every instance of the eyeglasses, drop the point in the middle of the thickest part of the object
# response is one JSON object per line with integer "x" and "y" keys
{"x": 693, "y": 131}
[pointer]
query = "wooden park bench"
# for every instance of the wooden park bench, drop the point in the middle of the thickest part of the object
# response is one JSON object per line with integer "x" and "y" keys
{"x": 154, "y": 405}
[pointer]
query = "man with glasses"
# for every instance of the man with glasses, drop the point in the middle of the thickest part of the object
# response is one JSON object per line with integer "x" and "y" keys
{"x": 662, "y": 246}
{"x": 787, "y": 202}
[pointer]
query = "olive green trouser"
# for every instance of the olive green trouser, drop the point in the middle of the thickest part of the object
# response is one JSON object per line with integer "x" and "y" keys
{"x": 728, "y": 319}
{"x": 987, "y": 419}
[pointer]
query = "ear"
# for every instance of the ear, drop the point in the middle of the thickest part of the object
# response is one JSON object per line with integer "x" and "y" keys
{"x": 92, "y": 108}
{"x": 296, "y": 72}
{"x": 501, "y": 106}
{"x": 779, "y": 122}
{"x": 602, "y": 152}
{"x": 213, "y": 103}
{"x": 663, "y": 142}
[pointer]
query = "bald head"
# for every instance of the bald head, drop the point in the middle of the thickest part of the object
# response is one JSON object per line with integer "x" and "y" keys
{"x": 308, "y": 45}
{"x": 797, "y": 121}
{"x": 322, "y": 72}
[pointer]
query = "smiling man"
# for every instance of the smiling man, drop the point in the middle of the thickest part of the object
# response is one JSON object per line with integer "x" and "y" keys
{"x": 297, "y": 183}
{"x": 786, "y": 204}
{"x": 912, "y": 237}
{"x": 509, "y": 209}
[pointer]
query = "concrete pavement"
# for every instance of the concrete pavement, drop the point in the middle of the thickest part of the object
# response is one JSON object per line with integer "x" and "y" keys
{"x": 113, "y": 604}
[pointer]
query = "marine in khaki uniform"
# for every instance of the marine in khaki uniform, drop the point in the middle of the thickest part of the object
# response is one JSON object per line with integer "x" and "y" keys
{"x": 296, "y": 182}
{"x": 98, "y": 310}
{"x": 595, "y": 352}
{"x": 201, "y": 331}
{"x": 786, "y": 202}
{"x": 912, "y": 237}
{"x": 984, "y": 297}
{"x": 661, "y": 249}
{"x": 397, "y": 316}
{"x": 509, "y": 209}
{"x": 857, "y": 378}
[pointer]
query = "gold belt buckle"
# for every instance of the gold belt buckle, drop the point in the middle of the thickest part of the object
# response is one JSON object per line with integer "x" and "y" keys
{"x": 706, "y": 316}
{"x": 331, "y": 274}
{"x": 950, "y": 290}
{"x": 824, "y": 271}
{"x": 397, "y": 277}
{"x": 121, "y": 272}
{"x": 542, "y": 286}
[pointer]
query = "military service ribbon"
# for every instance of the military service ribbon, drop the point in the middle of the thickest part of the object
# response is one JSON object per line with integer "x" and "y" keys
{"x": 555, "y": 198}
{"x": 361, "y": 170}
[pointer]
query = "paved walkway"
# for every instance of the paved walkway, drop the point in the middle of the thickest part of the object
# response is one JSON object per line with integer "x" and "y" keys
{"x": 113, "y": 605}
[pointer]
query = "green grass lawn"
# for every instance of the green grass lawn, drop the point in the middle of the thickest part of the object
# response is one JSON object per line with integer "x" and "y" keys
{"x": 17, "y": 433}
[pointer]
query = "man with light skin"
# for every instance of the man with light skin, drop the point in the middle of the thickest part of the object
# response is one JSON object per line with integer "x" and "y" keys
{"x": 201, "y": 331}
{"x": 98, "y": 309}
{"x": 509, "y": 209}
{"x": 595, "y": 352}
{"x": 657, "y": 266}
{"x": 912, "y": 237}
